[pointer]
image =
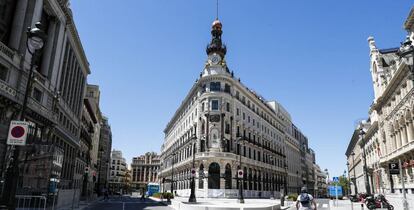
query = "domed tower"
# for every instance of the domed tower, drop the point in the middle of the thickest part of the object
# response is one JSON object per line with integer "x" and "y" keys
{"x": 216, "y": 45}
{"x": 216, "y": 51}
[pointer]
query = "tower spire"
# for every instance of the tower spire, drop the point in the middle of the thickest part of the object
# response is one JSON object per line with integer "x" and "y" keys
{"x": 217, "y": 9}
{"x": 216, "y": 45}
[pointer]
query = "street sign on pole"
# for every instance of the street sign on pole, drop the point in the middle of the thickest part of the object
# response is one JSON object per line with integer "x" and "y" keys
{"x": 17, "y": 133}
{"x": 240, "y": 173}
{"x": 335, "y": 179}
{"x": 193, "y": 172}
{"x": 394, "y": 168}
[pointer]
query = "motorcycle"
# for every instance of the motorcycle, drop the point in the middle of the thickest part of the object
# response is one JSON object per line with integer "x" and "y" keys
{"x": 362, "y": 197}
{"x": 379, "y": 201}
{"x": 354, "y": 198}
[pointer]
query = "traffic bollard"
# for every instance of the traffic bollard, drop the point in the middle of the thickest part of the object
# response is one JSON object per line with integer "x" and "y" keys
{"x": 362, "y": 206}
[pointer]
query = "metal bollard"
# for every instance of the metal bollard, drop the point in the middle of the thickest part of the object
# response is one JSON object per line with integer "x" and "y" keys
{"x": 352, "y": 205}
{"x": 362, "y": 206}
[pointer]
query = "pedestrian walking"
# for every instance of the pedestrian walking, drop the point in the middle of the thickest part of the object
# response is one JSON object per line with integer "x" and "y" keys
{"x": 106, "y": 194}
{"x": 305, "y": 201}
{"x": 142, "y": 194}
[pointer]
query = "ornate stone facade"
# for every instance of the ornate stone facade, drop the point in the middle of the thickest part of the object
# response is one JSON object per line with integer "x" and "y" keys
{"x": 219, "y": 120}
{"x": 389, "y": 131}
{"x": 145, "y": 170}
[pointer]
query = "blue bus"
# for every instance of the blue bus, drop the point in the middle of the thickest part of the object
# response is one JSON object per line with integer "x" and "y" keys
{"x": 332, "y": 191}
{"x": 153, "y": 188}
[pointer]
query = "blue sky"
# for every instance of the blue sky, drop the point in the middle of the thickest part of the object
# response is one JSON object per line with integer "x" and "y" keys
{"x": 311, "y": 56}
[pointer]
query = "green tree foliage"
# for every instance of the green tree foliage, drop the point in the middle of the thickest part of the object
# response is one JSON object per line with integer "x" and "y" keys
{"x": 344, "y": 182}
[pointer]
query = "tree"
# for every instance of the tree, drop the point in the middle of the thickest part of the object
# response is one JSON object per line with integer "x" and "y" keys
{"x": 344, "y": 183}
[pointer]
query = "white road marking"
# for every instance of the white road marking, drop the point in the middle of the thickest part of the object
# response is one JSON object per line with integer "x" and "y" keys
{"x": 123, "y": 206}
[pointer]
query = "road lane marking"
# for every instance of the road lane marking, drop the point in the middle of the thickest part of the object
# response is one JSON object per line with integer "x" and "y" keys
{"x": 123, "y": 206}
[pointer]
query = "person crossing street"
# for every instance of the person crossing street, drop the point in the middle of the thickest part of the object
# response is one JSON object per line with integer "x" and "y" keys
{"x": 305, "y": 201}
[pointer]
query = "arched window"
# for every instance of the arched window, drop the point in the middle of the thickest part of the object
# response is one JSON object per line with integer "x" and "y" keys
{"x": 214, "y": 176}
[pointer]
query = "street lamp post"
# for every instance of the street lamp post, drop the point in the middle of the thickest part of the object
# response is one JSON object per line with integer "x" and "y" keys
{"x": 353, "y": 165}
{"x": 35, "y": 42}
{"x": 192, "y": 198}
{"x": 240, "y": 197}
{"x": 362, "y": 133}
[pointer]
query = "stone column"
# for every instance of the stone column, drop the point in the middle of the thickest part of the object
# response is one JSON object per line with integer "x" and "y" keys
{"x": 393, "y": 142}
{"x": 205, "y": 183}
{"x": 18, "y": 27}
{"x": 48, "y": 49}
{"x": 410, "y": 131}
{"x": 222, "y": 180}
{"x": 397, "y": 139}
{"x": 404, "y": 135}
{"x": 234, "y": 175}
{"x": 145, "y": 174}
{"x": 37, "y": 13}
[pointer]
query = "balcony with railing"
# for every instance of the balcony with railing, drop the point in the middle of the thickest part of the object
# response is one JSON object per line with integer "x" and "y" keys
{"x": 6, "y": 52}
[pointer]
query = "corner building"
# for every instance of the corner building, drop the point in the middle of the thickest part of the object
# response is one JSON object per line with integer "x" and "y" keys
{"x": 218, "y": 111}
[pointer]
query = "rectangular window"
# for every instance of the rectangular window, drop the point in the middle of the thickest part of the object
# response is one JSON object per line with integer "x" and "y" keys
{"x": 215, "y": 86}
{"x": 214, "y": 105}
{"x": 227, "y": 88}
{"x": 237, "y": 94}
{"x": 37, "y": 94}
{"x": 227, "y": 130}
{"x": 250, "y": 153}
{"x": 3, "y": 73}
{"x": 228, "y": 106}
{"x": 237, "y": 111}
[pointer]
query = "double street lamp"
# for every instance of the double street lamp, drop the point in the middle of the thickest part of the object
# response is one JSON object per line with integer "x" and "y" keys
{"x": 192, "y": 198}
{"x": 35, "y": 42}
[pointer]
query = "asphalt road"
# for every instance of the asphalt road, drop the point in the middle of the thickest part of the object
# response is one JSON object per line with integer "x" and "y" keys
{"x": 322, "y": 204}
{"x": 128, "y": 203}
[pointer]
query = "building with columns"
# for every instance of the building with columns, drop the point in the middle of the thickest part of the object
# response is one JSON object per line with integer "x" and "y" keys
{"x": 355, "y": 164}
{"x": 220, "y": 119}
{"x": 145, "y": 170}
{"x": 388, "y": 133}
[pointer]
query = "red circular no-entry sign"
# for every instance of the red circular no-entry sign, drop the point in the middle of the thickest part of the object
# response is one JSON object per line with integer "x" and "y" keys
{"x": 17, "y": 132}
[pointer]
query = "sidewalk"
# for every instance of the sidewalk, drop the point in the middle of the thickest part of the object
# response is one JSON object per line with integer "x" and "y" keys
{"x": 347, "y": 205}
